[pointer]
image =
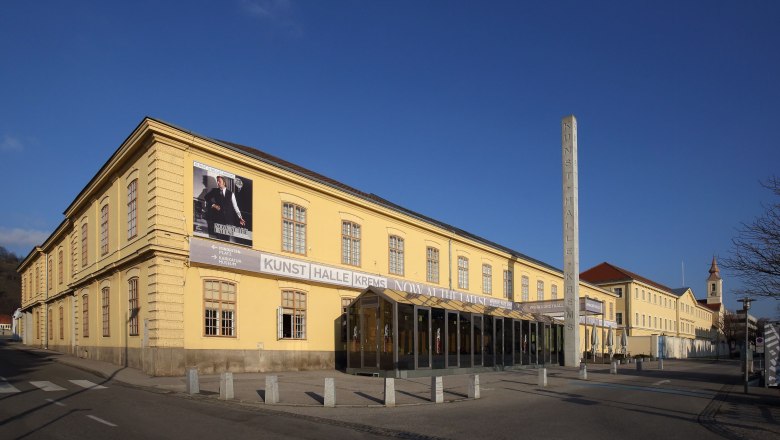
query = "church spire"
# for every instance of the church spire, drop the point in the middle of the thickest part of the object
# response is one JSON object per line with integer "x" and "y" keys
{"x": 714, "y": 271}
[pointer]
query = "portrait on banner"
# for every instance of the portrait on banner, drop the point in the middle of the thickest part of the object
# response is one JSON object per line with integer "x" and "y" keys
{"x": 222, "y": 205}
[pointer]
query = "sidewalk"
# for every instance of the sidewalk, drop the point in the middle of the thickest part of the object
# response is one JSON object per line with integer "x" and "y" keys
{"x": 301, "y": 392}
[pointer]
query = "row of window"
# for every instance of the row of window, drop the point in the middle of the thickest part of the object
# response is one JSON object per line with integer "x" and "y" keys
{"x": 105, "y": 308}
{"x": 31, "y": 285}
{"x": 658, "y": 323}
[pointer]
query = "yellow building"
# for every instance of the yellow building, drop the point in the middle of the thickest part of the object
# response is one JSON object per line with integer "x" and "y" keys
{"x": 187, "y": 251}
{"x": 647, "y": 310}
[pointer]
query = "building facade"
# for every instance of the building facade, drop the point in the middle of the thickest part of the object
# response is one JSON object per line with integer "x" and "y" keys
{"x": 187, "y": 251}
{"x": 647, "y": 310}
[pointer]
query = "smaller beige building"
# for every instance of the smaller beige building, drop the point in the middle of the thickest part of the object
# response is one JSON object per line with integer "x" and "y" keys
{"x": 659, "y": 319}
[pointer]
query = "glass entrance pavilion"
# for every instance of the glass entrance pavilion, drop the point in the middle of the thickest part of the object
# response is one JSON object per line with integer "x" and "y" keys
{"x": 395, "y": 333}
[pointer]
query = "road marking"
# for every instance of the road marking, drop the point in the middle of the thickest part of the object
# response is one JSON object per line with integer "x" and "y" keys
{"x": 47, "y": 386}
{"x": 98, "y": 419}
{"x": 6, "y": 387}
{"x": 87, "y": 384}
{"x": 661, "y": 382}
{"x": 55, "y": 402}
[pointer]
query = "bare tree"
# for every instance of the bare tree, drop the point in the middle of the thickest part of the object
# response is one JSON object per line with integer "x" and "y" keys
{"x": 755, "y": 255}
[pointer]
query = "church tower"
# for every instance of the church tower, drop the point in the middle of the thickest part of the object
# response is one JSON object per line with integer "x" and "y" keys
{"x": 714, "y": 284}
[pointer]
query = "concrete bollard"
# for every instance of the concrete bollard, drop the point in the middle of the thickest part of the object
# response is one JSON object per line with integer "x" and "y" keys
{"x": 639, "y": 363}
{"x": 193, "y": 387}
{"x": 330, "y": 393}
{"x": 226, "y": 386}
{"x": 271, "y": 389}
{"x": 437, "y": 389}
{"x": 614, "y": 368}
{"x": 543, "y": 377}
{"x": 661, "y": 363}
{"x": 389, "y": 391}
{"x": 474, "y": 386}
{"x": 583, "y": 372}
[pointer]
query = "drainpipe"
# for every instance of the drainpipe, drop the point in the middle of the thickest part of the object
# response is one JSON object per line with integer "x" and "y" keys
{"x": 46, "y": 307}
{"x": 449, "y": 266}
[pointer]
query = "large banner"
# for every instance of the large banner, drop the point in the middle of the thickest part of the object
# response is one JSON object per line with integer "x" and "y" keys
{"x": 221, "y": 205}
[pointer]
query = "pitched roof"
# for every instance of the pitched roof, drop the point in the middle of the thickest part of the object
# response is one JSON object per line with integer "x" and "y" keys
{"x": 609, "y": 273}
{"x": 680, "y": 291}
{"x": 715, "y": 307}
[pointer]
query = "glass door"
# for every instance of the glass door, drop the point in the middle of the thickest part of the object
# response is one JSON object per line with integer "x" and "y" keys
{"x": 518, "y": 342}
{"x": 476, "y": 321}
{"x": 369, "y": 323}
{"x": 499, "y": 340}
{"x": 452, "y": 339}
{"x": 439, "y": 335}
{"x": 532, "y": 341}
{"x": 465, "y": 340}
{"x": 423, "y": 340}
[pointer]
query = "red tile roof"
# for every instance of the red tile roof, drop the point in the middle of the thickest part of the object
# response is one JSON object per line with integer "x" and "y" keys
{"x": 609, "y": 273}
{"x": 703, "y": 302}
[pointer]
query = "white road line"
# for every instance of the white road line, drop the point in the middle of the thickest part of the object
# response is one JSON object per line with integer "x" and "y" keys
{"x": 98, "y": 419}
{"x": 87, "y": 384}
{"x": 55, "y": 402}
{"x": 6, "y": 388}
{"x": 47, "y": 386}
{"x": 661, "y": 382}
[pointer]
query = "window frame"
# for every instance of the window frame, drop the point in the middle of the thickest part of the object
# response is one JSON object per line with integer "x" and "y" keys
{"x": 539, "y": 290}
{"x": 432, "y": 264}
{"x": 84, "y": 244}
{"x": 350, "y": 243}
{"x": 133, "y": 307}
{"x": 220, "y": 320}
{"x": 132, "y": 209}
{"x": 395, "y": 255}
{"x": 525, "y": 286}
{"x": 508, "y": 284}
{"x": 295, "y": 304}
{"x": 463, "y": 272}
{"x": 295, "y": 241}
{"x": 487, "y": 279}
{"x": 104, "y": 227}
{"x": 105, "y": 303}
{"x": 85, "y": 315}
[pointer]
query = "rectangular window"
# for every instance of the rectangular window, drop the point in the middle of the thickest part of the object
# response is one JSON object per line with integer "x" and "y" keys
{"x": 60, "y": 271}
{"x": 350, "y": 243}
{"x": 85, "y": 315}
{"x": 219, "y": 305}
{"x": 619, "y": 292}
{"x": 508, "y": 285}
{"x": 132, "y": 295}
{"x": 396, "y": 254}
{"x": 487, "y": 279}
{"x": 524, "y": 287}
{"x": 432, "y": 265}
{"x": 62, "y": 323}
{"x": 50, "y": 330}
{"x": 106, "y": 312}
{"x": 619, "y": 318}
{"x": 644, "y": 321}
{"x": 293, "y": 315}
{"x": 463, "y": 273}
{"x": 294, "y": 228}
{"x": 554, "y": 291}
{"x": 50, "y": 277}
{"x": 84, "y": 252}
{"x": 636, "y": 319}
{"x": 132, "y": 213}
{"x": 104, "y": 230}
{"x": 540, "y": 290}
{"x": 73, "y": 243}
{"x": 611, "y": 311}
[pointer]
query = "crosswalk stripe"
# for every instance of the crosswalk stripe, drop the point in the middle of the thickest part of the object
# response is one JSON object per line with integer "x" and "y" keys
{"x": 46, "y": 385}
{"x": 87, "y": 384}
{"x": 6, "y": 388}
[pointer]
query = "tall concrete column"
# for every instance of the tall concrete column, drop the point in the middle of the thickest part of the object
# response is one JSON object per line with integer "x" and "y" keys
{"x": 571, "y": 243}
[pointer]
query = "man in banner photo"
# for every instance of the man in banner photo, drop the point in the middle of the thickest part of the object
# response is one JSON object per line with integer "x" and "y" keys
{"x": 219, "y": 207}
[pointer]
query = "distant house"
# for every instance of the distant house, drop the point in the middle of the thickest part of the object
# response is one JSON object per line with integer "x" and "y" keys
{"x": 5, "y": 324}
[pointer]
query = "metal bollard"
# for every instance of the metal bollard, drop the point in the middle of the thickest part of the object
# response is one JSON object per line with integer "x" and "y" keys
{"x": 661, "y": 364}
{"x": 389, "y": 391}
{"x": 193, "y": 387}
{"x": 583, "y": 372}
{"x": 226, "y": 386}
{"x": 474, "y": 386}
{"x": 330, "y": 393}
{"x": 437, "y": 389}
{"x": 614, "y": 368}
{"x": 543, "y": 377}
{"x": 271, "y": 389}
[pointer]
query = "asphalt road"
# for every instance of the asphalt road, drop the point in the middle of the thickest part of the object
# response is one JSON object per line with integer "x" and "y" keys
{"x": 38, "y": 400}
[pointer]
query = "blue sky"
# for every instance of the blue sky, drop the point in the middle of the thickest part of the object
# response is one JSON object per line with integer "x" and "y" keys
{"x": 449, "y": 108}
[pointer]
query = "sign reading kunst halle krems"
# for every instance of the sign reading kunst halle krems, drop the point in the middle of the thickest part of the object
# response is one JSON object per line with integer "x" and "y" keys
{"x": 221, "y": 204}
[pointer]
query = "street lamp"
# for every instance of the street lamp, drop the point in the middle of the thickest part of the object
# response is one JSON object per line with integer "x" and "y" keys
{"x": 745, "y": 307}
